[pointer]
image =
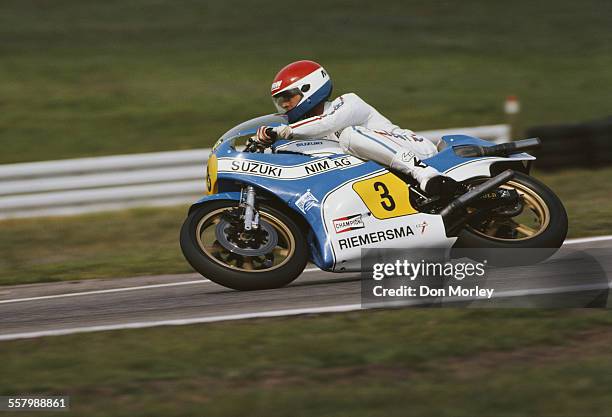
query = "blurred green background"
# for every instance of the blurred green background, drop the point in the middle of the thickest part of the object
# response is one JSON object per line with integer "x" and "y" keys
{"x": 82, "y": 78}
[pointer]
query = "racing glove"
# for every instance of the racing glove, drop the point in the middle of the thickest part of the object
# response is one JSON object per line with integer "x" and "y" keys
{"x": 265, "y": 136}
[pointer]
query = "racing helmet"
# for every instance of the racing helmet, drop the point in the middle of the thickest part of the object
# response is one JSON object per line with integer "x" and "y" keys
{"x": 307, "y": 79}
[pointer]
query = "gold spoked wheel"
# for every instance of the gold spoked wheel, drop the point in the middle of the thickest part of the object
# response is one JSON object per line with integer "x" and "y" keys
{"x": 529, "y": 223}
{"x": 280, "y": 252}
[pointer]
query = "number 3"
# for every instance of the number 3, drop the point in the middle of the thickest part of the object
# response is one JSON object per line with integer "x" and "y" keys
{"x": 384, "y": 195}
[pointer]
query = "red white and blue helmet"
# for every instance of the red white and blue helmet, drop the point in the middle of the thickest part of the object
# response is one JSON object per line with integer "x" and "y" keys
{"x": 305, "y": 78}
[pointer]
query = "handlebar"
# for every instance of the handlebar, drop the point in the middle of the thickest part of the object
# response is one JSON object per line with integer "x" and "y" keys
{"x": 254, "y": 146}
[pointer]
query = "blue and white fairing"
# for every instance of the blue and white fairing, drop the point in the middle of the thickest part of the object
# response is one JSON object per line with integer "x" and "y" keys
{"x": 332, "y": 192}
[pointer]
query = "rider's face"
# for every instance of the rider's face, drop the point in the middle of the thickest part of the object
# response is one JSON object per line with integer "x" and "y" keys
{"x": 291, "y": 102}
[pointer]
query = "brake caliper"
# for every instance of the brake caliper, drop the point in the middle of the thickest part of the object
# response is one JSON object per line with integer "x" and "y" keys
{"x": 502, "y": 201}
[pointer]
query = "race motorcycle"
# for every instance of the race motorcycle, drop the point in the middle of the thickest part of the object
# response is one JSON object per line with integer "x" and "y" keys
{"x": 269, "y": 212}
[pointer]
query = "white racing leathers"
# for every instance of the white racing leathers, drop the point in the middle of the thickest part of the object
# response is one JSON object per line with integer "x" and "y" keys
{"x": 363, "y": 132}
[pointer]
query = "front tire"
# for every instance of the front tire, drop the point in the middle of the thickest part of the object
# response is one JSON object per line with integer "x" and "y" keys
{"x": 284, "y": 260}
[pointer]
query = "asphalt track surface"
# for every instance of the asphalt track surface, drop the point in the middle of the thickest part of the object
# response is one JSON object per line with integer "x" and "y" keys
{"x": 580, "y": 277}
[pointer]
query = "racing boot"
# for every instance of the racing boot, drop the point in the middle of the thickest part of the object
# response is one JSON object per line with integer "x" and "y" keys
{"x": 430, "y": 179}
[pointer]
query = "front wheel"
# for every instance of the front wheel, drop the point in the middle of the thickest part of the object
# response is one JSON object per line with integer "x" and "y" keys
{"x": 215, "y": 245}
{"x": 541, "y": 225}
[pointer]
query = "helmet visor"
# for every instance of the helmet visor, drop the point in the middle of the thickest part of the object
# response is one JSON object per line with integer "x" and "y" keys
{"x": 288, "y": 99}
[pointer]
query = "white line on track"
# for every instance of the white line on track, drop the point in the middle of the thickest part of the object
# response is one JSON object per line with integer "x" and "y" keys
{"x": 141, "y": 287}
{"x": 587, "y": 239}
{"x": 180, "y": 322}
{"x": 204, "y": 281}
{"x": 557, "y": 290}
{"x": 75, "y": 294}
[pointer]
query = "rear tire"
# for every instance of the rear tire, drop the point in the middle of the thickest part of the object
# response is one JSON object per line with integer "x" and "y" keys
{"x": 547, "y": 239}
{"x": 208, "y": 257}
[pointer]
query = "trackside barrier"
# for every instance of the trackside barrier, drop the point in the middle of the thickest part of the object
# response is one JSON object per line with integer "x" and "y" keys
{"x": 76, "y": 186}
{"x": 574, "y": 145}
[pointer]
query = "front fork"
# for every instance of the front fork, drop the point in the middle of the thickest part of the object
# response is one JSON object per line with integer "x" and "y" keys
{"x": 251, "y": 216}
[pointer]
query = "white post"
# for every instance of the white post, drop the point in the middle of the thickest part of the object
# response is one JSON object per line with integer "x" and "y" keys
{"x": 512, "y": 108}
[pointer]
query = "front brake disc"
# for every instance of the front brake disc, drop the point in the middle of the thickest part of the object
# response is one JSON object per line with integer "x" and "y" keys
{"x": 229, "y": 239}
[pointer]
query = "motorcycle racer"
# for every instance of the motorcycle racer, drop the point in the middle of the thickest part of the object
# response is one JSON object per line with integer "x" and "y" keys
{"x": 301, "y": 91}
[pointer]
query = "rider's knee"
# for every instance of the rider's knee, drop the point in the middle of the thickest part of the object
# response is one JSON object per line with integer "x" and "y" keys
{"x": 425, "y": 149}
{"x": 345, "y": 138}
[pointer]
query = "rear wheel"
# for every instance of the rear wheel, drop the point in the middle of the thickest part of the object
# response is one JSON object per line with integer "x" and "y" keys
{"x": 215, "y": 244}
{"x": 539, "y": 223}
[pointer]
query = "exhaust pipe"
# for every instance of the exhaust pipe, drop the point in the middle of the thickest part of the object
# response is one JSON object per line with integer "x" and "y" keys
{"x": 462, "y": 201}
{"x": 503, "y": 149}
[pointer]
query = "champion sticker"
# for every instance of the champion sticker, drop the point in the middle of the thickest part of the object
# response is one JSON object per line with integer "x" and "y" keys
{"x": 346, "y": 224}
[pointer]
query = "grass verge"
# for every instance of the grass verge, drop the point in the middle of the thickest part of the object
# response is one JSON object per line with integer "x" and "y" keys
{"x": 393, "y": 363}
